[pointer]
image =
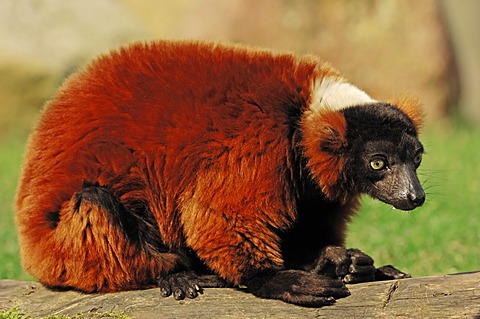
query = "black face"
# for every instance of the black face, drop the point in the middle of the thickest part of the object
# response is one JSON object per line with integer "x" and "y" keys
{"x": 386, "y": 154}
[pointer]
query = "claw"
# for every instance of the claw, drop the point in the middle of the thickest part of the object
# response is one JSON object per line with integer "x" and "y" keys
{"x": 192, "y": 292}
{"x": 165, "y": 292}
{"x": 178, "y": 294}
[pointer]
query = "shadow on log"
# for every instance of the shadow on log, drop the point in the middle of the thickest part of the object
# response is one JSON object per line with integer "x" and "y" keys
{"x": 450, "y": 296}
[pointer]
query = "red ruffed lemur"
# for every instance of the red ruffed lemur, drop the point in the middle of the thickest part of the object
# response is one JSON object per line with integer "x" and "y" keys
{"x": 184, "y": 165}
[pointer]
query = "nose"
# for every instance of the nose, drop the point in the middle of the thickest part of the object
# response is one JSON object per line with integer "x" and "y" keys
{"x": 417, "y": 197}
{"x": 416, "y": 194}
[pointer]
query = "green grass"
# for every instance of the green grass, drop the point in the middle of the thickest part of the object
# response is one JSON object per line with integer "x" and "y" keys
{"x": 11, "y": 152}
{"x": 440, "y": 237}
{"x": 16, "y": 314}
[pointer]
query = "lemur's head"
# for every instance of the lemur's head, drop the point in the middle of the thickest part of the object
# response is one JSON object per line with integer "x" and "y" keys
{"x": 385, "y": 154}
{"x": 369, "y": 148}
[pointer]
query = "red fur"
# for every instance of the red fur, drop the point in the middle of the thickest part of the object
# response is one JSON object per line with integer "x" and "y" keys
{"x": 201, "y": 138}
{"x": 412, "y": 108}
{"x": 324, "y": 135}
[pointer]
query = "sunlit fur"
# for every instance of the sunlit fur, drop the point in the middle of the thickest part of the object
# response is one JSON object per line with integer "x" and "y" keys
{"x": 335, "y": 93}
{"x": 160, "y": 153}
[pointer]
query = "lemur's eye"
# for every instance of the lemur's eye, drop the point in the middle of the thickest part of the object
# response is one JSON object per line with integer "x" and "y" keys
{"x": 377, "y": 164}
{"x": 417, "y": 159}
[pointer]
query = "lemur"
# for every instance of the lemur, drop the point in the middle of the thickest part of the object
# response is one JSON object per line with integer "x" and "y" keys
{"x": 188, "y": 164}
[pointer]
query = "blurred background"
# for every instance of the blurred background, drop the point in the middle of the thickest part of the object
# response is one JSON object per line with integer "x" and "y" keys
{"x": 429, "y": 49}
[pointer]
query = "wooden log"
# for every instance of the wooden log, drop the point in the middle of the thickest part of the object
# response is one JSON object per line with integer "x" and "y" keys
{"x": 449, "y": 296}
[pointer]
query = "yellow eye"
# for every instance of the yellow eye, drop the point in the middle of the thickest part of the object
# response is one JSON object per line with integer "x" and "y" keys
{"x": 417, "y": 159}
{"x": 377, "y": 164}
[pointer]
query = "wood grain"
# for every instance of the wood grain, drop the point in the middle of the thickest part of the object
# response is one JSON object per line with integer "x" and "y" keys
{"x": 449, "y": 296}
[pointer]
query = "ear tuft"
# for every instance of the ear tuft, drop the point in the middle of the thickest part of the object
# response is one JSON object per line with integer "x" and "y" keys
{"x": 324, "y": 140}
{"x": 412, "y": 108}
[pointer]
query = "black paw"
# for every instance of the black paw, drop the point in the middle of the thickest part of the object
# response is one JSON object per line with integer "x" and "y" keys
{"x": 297, "y": 287}
{"x": 349, "y": 265}
{"x": 188, "y": 284}
{"x": 389, "y": 272}
{"x": 361, "y": 268}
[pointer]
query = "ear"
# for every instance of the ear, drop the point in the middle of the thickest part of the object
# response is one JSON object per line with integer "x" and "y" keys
{"x": 332, "y": 130}
{"x": 324, "y": 141}
{"x": 325, "y": 130}
{"x": 412, "y": 108}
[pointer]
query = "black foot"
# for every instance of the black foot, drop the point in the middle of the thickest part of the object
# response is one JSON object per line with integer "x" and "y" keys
{"x": 361, "y": 268}
{"x": 389, "y": 272}
{"x": 349, "y": 265}
{"x": 188, "y": 284}
{"x": 297, "y": 287}
{"x": 353, "y": 266}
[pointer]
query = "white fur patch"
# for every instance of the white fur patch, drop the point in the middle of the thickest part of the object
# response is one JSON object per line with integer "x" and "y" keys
{"x": 336, "y": 94}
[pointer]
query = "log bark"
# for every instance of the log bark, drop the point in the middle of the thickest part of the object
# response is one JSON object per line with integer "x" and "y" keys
{"x": 449, "y": 296}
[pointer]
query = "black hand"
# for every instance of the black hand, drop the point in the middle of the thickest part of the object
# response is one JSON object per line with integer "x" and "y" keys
{"x": 297, "y": 287}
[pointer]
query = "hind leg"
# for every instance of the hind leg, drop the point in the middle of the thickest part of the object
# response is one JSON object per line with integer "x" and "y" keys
{"x": 97, "y": 245}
